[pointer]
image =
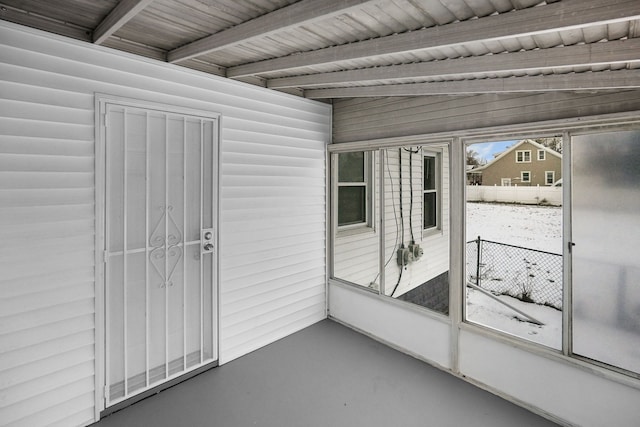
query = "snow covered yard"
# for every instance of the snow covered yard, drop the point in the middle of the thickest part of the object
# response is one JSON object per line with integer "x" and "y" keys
{"x": 532, "y": 227}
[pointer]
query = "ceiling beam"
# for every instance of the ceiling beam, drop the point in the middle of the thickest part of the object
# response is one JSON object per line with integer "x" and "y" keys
{"x": 120, "y": 15}
{"x": 564, "y": 15}
{"x": 621, "y": 51}
{"x": 294, "y": 15}
{"x": 589, "y": 81}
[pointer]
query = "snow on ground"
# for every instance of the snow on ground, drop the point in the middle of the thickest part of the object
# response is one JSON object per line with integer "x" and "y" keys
{"x": 529, "y": 226}
{"x": 533, "y": 227}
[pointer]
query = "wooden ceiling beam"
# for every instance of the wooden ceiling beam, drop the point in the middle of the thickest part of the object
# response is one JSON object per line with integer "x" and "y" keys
{"x": 589, "y": 81}
{"x": 294, "y": 15}
{"x": 613, "y": 52}
{"x": 564, "y": 15}
{"x": 120, "y": 15}
{"x": 29, "y": 19}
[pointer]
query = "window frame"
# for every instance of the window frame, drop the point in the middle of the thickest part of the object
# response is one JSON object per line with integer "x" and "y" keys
{"x": 528, "y": 180}
{"x": 437, "y": 156}
{"x": 544, "y": 155}
{"x": 546, "y": 177}
{"x": 368, "y": 223}
{"x": 524, "y": 155}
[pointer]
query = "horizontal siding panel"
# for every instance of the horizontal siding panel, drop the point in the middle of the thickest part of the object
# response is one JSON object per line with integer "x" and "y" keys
{"x": 46, "y": 197}
{"x": 260, "y": 254}
{"x": 30, "y": 302}
{"x": 256, "y": 204}
{"x": 53, "y": 406}
{"x": 46, "y": 95}
{"x": 50, "y": 180}
{"x": 41, "y": 163}
{"x": 423, "y": 115}
{"x": 45, "y": 314}
{"x": 46, "y": 383}
{"x": 75, "y": 258}
{"x": 35, "y": 370}
{"x": 41, "y": 282}
{"x": 308, "y": 236}
{"x": 249, "y": 335}
{"x": 45, "y": 129}
{"x": 266, "y": 170}
{"x": 12, "y": 144}
{"x": 46, "y": 349}
{"x": 45, "y": 112}
{"x": 240, "y": 296}
{"x": 262, "y": 271}
{"x": 272, "y": 274}
{"x": 45, "y": 214}
{"x": 262, "y": 307}
{"x": 25, "y": 234}
{"x": 51, "y": 331}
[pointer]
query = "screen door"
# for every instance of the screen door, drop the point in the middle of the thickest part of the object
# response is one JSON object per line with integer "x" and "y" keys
{"x": 159, "y": 241}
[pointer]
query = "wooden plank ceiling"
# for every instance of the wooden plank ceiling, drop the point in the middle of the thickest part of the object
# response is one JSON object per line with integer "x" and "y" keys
{"x": 327, "y": 49}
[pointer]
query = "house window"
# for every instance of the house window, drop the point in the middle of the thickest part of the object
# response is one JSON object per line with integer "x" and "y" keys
{"x": 505, "y": 182}
{"x": 523, "y": 156}
{"x": 353, "y": 189}
{"x": 542, "y": 155}
{"x": 525, "y": 176}
{"x": 430, "y": 205}
{"x": 549, "y": 177}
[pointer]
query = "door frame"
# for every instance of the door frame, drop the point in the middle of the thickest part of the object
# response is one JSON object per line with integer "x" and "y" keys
{"x": 100, "y": 102}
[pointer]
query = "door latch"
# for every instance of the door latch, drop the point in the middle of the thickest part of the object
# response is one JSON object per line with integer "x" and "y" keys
{"x": 207, "y": 241}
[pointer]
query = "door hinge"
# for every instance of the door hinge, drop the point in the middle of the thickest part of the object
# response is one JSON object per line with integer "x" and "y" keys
{"x": 105, "y": 256}
{"x": 105, "y": 392}
{"x": 104, "y": 119}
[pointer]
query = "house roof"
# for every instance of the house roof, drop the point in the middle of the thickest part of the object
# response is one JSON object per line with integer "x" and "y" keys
{"x": 512, "y": 149}
{"x": 367, "y": 48}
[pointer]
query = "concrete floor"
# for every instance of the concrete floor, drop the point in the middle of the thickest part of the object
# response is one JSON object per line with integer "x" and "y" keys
{"x": 326, "y": 376}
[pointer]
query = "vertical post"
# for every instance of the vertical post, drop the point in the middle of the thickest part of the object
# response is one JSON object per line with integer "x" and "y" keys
{"x": 479, "y": 242}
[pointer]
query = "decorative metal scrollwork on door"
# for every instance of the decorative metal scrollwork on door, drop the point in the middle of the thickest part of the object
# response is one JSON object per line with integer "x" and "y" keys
{"x": 165, "y": 246}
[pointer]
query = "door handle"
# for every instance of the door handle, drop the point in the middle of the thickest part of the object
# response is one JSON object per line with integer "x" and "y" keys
{"x": 208, "y": 247}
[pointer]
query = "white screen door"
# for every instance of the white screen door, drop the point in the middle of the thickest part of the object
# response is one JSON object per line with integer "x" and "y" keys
{"x": 159, "y": 236}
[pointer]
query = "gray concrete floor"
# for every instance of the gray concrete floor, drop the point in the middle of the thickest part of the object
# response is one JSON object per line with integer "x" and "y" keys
{"x": 326, "y": 376}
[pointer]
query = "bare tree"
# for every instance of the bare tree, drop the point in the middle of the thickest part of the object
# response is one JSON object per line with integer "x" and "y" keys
{"x": 554, "y": 143}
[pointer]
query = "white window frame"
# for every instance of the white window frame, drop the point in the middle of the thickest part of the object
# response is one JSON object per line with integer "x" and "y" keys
{"x": 522, "y": 176}
{"x": 546, "y": 177}
{"x": 437, "y": 190}
{"x": 521, "y": 156}
{"x": 505, "y": 182}
{"x": 367, "y": 184}
{"x": 542, "y": 155}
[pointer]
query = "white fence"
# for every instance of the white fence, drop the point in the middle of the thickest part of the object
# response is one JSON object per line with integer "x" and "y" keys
{"x": 514, "y": 194}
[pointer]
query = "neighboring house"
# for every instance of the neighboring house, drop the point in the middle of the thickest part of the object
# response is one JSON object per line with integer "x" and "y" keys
{"x": 526, "y": 163}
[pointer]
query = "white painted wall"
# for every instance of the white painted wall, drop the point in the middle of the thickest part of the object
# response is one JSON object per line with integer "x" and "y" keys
{"x": 272, "y": 253}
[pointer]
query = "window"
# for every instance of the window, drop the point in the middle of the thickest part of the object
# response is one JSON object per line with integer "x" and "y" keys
{"x": 525, "y": 176}
{"x": 430, "y": 192}
{"x": 549, "y": 177}
{"x": 523, "y": 156}
{"x": 353, "y": 189}
{"x": 505, "y": 182}
{"x": 542, "y": 155}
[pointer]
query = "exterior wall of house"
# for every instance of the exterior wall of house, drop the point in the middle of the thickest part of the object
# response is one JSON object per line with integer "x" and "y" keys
{"x": 272, "y": 213}
{"x": 507, "y": 167}
{"x": 357, "y": 253}
{"x": 570, "y": 391}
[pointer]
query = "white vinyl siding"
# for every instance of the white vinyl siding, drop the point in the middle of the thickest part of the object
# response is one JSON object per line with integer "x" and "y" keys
{"x": 272, "y": 268}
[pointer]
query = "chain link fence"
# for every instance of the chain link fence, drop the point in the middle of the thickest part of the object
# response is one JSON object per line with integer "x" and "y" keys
{"x": 527, "y": 274}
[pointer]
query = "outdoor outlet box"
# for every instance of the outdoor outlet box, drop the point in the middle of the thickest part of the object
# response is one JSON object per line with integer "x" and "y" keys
{"x": 416, "y": 251}
{"x": 404, "y": 256}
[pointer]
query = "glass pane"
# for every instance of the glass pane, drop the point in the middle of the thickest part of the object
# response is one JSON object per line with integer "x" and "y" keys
{"x": 416, "y": 265}
{"x": 351, "y": 167}
{"x": 606, "y": 232}
{"x": 429, "y": 206}
{"x": 429, "y": 173}
{"x": 514, "y": 248}
{"x": 352, "y": 202}
{"x": 356, "y": 250}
